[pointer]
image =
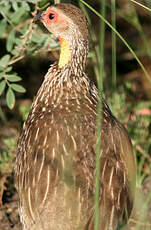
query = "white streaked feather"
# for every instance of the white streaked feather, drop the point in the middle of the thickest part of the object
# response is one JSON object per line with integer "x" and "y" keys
{"x": 41, "y": 166}
{"x": 47, "y": 187}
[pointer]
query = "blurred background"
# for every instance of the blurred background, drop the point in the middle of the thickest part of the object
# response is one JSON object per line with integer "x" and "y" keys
{"x": 123, "y": 75}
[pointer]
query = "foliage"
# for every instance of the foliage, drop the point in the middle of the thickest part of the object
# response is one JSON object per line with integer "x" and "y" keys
{"x": 6, "y": 156}
{"x": 21, "y": 38}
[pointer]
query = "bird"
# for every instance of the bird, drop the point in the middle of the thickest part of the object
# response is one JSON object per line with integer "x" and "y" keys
{"x": 55, "y": 166}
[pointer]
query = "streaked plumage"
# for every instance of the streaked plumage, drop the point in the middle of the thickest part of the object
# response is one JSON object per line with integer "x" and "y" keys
{"x": 55, "y": 164}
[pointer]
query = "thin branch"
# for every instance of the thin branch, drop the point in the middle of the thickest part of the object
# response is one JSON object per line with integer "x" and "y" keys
{"x": 12, "y": 61}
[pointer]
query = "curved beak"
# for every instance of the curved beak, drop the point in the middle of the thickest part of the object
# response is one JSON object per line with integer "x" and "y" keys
{"x": 39, "y": 17}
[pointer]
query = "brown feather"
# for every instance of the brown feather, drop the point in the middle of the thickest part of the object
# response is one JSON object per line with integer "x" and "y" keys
{"x": 55, "y": 163}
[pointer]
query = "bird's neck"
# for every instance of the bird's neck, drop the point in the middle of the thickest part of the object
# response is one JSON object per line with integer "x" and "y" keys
{"x": 73, "y": 54}
{"x": 67, "y": 79}
{"x": 65, "y": 53}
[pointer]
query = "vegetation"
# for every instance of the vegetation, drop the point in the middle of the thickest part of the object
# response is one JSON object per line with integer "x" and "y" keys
{"x": 124, "y": 77}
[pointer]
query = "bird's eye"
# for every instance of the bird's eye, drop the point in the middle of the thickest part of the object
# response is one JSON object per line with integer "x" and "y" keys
{"x": 51, "y": 16}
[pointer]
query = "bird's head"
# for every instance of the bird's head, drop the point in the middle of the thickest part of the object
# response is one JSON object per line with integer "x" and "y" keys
{"x": 68, "y": 24}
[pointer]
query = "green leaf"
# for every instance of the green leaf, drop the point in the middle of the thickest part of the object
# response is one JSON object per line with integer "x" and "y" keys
{"x": 15, "y": 5}
{"x": 13, "y": 78}
{"x": 10, "y": 41}
{"x": 14, "y": 51}
{"x": 17, "y": 15}
{"x": 31, "y": 1}
{"x": 18, "y": 88}
{"x": 2, "y": 86}
{"x": 3, "y": 24}
{"x": 8, "y": 69}
{"x": 1, "y": 68}
{"x": 1, "y": 75}
{"x": 5, "y": 9}
{"x": 18, "y": 41}
{"x": 35, "y": 38}
{"x": 10, "y": 98}
{"x": 25, "y": 6}
{"x": 4, "y": 60}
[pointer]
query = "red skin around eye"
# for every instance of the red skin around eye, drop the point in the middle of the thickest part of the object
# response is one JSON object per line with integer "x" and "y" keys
{"x": 57, "y": 18}
{"x": 48, "y": 12}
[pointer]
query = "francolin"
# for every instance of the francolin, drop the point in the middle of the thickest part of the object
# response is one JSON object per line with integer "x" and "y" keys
{"x": 56, "y": 154}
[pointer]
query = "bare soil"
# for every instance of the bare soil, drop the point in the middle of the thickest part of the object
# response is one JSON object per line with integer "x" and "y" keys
{"x": 9, "y": 217}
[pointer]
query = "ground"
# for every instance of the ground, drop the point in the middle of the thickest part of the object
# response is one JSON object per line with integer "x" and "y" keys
{"x": 9, "y": 217}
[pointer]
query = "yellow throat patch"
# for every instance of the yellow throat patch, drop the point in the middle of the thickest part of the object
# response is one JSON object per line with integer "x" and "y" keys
{"x": 65, "y": 53}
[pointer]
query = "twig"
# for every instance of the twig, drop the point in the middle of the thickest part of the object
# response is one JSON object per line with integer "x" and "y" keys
{"x": 7, "y": 19}
{"x": 12, "y": 61}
